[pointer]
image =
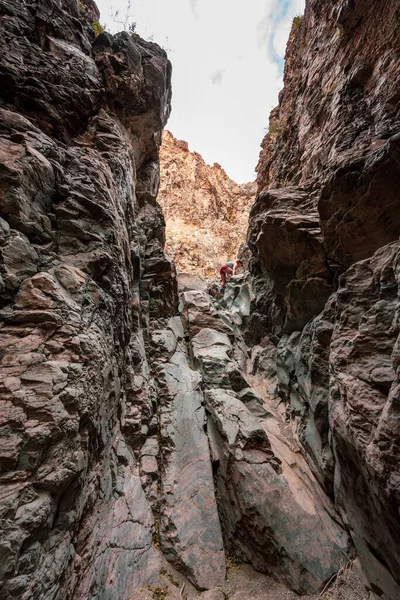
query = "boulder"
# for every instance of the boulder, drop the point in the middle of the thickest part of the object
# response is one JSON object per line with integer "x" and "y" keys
{"x": 188, "y": 282}
{"x": 272, "y": 515}
{"x": 198, "y": 311}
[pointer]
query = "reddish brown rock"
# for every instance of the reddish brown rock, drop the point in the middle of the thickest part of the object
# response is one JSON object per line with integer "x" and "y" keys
{"x": 273, "y": 512}
{"x": 286, "y": 239}
{"x": 334, "y": 135}
{"x": 206, "y": 212}
{"x": 364, "y": 412}
{"x": 80, "y": 124}
{"x": 324, "y": 237}
{"x": 190, "y": 531}
{"x": 340, "y": 376}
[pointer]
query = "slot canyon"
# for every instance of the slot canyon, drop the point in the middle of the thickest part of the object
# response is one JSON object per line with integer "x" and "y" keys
{"x": 160, "y": 440}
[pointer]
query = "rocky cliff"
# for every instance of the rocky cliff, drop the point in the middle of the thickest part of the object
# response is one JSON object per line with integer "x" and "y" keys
{"x": 130, "y": 434}
{"x": 82, "y": 273}
{"x": 139, "y": 432}
{"x": 206, "y": 212}
{"x": 324, "y": 236}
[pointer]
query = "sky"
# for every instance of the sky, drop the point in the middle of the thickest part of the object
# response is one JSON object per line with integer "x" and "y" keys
{"x": 227, "y": 60}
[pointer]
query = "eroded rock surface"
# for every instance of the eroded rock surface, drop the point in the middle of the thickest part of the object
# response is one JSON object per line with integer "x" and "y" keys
{"x": 329, "y": 168}
{"x": 206, "y": 212}
{"x": 82, "y": 269}
{"x": 137, "y": 426}
{"x": 273, "y": 512}
{"x": 189, "y": 527}
{"x": 324, "y": 237}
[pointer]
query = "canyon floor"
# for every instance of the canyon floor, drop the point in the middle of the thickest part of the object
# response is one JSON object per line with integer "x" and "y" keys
{"x": 244, "y": 583}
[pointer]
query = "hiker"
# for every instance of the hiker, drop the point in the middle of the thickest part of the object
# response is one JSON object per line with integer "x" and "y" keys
{"x": 227, "y": 270}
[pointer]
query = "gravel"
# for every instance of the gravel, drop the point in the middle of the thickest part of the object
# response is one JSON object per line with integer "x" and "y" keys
{"x": 243, "y": 583}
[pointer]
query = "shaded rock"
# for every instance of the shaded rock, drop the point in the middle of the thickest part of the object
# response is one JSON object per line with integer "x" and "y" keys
{"x": 198, "y": 312}
{"x": 327, "y": 177}
{"x": 363, "y": 400}
{"x": 271, "y": 517}
{"x": 263, "y": 362}
{"x": 290, "y": 269}
{"x": 254, "y": 403}
{"x": 339, "y": 378}
{"x": 354, "y": 225}
{"x": 211, "y": 350}
{"x": 329, "y": 165}
{"x": 237, "y": 297}
{"x": 303, "y": 381}
{"x": 82, "y": 269}
{"x": 125, "y": 557}
{"x": 190, "y": 532}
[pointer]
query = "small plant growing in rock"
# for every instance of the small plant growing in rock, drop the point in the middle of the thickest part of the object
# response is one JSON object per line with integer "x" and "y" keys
{"x": 297, "y": 21}
{"x": 275, "y": 127}
{"x": 97, "y": 28}
{"x": 132, "y": 29}
{"x": 232, "y": 562}
{"x": 160, "y": 593}
{"x": 165, "y": 572}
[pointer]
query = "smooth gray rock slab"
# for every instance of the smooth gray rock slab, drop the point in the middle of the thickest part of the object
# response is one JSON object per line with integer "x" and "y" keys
{"x": 188, "y": 282}
{"x": 190, "y": 532}
{"x": 238, "y": 297}
{"x": 270, "y": 516}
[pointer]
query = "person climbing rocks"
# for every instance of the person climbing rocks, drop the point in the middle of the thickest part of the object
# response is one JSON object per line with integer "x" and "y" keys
{"x": 227, "y": 270}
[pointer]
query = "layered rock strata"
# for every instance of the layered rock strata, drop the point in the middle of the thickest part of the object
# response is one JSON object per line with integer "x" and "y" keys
{"x": 104, "y": 455}
{"x": 134, "y": 427}
{"x": 206, "y": 212}
{"x": 82, "y": 269}
{"x": 324, "y": 237}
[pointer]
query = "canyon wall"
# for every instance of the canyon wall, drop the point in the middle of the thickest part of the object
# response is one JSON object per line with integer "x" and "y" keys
{"x": 137, "y": 425}
{"x": 130, "y": 438}
{"x": 324, "y": 236}
{"x": 206, "y": 212}
{"x": 82, "y": 273}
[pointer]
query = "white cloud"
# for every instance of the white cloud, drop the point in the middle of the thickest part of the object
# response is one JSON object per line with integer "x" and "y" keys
{"x": 227, "y": 59}
{"x": 193, "y": 5}
{"x": 217, "y": 76}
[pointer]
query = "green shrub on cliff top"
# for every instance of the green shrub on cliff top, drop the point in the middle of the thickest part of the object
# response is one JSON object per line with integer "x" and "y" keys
{"x": 275, "y": 127}
{"x": 297, "y": 21}
{"x": 97, "y": 28}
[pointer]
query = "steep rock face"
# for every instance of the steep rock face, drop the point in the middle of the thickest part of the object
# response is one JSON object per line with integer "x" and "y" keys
{"x": 82, "y": 269}
{"x": 129, "y": 432}
{"x": 273, "y": 513}
{"x": 334, "y": 135}
{"x": 324, "y": 239}
{"x": 206, "y": 212}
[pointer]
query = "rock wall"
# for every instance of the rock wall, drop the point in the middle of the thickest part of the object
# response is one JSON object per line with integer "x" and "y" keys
{"x": 135, "y": 426}
{"x": 324, "y": 234}
{"x": 110, "y": 396}
{"x": 206, "y": 212}
{"x": 82, "y": 272}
